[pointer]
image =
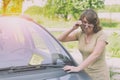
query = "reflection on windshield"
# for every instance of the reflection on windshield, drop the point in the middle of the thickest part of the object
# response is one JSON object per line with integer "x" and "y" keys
{"x": 21, "y": 39}
{"x": 53, "y": 52}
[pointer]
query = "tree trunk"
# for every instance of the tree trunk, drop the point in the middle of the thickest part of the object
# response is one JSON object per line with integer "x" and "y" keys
{"x": 5, "y": 4}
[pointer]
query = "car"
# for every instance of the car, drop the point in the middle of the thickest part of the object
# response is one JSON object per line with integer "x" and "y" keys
{"x": 28, "y": 51}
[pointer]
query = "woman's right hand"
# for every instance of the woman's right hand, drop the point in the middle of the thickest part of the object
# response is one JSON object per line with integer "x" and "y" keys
{"x": 77, "y": 24}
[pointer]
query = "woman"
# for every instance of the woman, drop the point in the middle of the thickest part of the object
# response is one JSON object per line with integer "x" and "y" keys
{"x": 92, "y": 42}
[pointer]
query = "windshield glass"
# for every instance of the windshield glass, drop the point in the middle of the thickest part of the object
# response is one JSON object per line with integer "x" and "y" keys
{"x": 48, "y": 49}
{"x": 23, "y": 42}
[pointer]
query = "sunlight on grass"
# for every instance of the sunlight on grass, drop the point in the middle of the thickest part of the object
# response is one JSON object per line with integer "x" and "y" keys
{"x": 52, "y": 23}
{"x": 59, "y": 23}
{"x": 108, "y": 23}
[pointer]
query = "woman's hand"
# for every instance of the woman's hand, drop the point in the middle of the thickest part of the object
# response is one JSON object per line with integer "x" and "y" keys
{"x": 77, "y": 24}
{"x": 71, "y": 69}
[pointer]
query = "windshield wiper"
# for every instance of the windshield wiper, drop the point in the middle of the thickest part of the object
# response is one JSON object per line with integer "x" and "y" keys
{"x": 53, "y": 66}
{"x": 30, "y": 67}
{"x": 20, "y": 68}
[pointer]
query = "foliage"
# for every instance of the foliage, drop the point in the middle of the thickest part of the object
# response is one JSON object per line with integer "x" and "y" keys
{"x": 114, "y": 45}
{"x": 12, "y": 6}
{"x": 113, "y": 73}
{"x": 34, "y": 10}
{"x": 5, "y": 4}
{"x": 64, "y": 8}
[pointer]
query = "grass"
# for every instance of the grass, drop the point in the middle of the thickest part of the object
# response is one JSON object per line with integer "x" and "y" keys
{"x": 108, "y": 23}
{"x": 59, "y": 23}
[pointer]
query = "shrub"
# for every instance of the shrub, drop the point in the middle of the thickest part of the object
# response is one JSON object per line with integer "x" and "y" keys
{"x": 114, "y": 45}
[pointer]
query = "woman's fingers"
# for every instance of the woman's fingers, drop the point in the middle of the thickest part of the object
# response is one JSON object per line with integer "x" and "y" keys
{"x": 71, "y": 69}
{"x": 78, "y": 23}
{"x": 67, "y": 68}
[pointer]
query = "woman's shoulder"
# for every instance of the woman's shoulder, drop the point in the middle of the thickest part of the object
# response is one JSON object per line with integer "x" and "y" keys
{"x": 101, "y": 35}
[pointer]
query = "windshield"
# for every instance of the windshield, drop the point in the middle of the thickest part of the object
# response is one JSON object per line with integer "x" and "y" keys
{"x": 23, "y": 42}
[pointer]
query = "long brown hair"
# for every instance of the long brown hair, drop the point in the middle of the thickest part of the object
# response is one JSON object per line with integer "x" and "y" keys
{"x": 92, "y": 18}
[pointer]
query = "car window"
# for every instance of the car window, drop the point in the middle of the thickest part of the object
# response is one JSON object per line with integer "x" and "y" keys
{"x": 24, "y": 42}
{"x": 38, "y": 40}
{"x": 14, "y": 46}
{"x": 47, "y": 46}
{"x": 8, "y": 37}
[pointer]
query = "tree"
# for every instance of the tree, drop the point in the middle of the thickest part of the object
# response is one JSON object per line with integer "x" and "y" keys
{"x": 5, "y": 4}
{"x": 64, "y": 8}
{"x": 12, "y": 6}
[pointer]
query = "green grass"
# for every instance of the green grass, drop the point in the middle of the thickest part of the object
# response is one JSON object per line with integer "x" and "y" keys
{"x": 108, "y": 23}
{"x": 59, "y": 23}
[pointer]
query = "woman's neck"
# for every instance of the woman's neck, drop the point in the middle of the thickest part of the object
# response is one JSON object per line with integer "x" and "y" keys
{"x": 88, "y": 38}
{"x": 89, "y": 34}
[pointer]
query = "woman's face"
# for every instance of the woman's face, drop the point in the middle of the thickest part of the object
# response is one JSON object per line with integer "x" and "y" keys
{"x": 86, "y": 26}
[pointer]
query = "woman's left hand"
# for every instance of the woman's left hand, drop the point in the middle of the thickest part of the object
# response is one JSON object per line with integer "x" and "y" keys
{"x": 71, "y": 69}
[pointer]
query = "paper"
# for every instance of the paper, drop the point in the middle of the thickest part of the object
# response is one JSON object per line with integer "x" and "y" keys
{"x": 36, "y": 59}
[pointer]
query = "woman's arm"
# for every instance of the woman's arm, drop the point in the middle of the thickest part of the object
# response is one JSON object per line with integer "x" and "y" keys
{"x": 70, "y": 35}
{"x": 91, "y": 58}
